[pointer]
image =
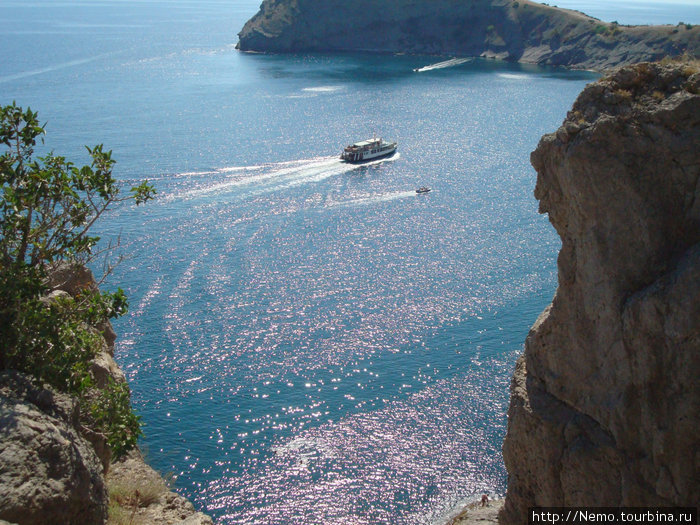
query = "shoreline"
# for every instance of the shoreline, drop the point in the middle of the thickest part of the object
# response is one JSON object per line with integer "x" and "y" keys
{"x": 521, "y": 31}
{"x": 473, "y": 513}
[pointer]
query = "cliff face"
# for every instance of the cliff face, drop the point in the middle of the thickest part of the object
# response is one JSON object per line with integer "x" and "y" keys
{"x": 605, "y": 400}
{"x": 519, "y": 30}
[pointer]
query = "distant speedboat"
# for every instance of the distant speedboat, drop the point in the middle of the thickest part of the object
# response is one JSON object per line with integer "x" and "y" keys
{"x": 423, "y": 189}
{"x": 368, "y": 149}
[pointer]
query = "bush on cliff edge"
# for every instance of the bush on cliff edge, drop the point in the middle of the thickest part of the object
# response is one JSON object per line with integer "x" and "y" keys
{"x": 47, "y": 209}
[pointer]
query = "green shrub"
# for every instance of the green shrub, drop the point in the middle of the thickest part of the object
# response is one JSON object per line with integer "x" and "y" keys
{"x": 47, "y": 208}
{"x": 109, "y": 409}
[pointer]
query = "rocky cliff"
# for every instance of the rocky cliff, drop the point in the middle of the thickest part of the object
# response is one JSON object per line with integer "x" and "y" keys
{"x": 49, "y": 472}
{"x": 53, "y": 470}
{"x": 605, "y": 401}
{"x": 515, "y": 30}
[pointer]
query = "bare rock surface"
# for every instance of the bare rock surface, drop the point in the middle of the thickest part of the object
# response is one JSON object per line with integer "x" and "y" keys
{"x": 605, "y": 400}
{"x": 146, "y": 498}
{"x": 521, "y": 31}
{"x": 475, "y": 514}
{"x": 48, "y": 472}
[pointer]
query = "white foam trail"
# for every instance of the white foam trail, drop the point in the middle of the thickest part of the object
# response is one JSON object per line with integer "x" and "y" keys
{"x": 188, "y": 174}
{"x": 316, "y": 173}
{"x": 228, "y": 169}
{"x": 279, "y": 176}
{"x": 441, "y": 65}
{"x": 513, "y": 76}
{"x": 322, "y": 89}
{"x": 232, "y": 169}
{"x": 374, "y": 199}
{"x": 61, "y": 65}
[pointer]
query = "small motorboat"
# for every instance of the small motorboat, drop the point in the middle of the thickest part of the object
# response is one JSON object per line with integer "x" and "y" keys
{"x": 423, "y": 189}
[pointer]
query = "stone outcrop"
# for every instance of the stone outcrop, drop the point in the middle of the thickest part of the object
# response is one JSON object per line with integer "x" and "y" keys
{"x": 605, "y": 399}
{"x": 146, "y": 498}
{"x": 48, "y": 472}
{"x": 512, "y": 30}
{"x": 53, "y": 468}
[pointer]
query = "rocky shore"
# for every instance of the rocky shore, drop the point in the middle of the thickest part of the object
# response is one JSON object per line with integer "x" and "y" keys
{"x": 140, "y": 495}
{"x": 476, "y": 514}
{"x": 605, "y": 400}
{"x": 53, "y": 470}
{"x": 513, "y": 30}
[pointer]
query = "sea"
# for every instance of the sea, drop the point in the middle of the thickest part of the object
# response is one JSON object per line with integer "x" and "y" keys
{"x": 308, "y": 341}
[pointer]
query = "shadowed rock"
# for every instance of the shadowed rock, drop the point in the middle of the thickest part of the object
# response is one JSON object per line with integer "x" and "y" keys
{"x": 519, "y": 31}
{"x": 605, "y": 399}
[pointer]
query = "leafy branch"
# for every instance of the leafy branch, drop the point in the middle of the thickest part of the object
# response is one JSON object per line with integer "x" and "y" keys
{"x": 48, "y": 207}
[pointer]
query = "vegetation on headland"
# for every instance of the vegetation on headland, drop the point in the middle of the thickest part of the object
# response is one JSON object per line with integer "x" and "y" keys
{"x": 48, "y": 207}
{"x": 522, "y": 31}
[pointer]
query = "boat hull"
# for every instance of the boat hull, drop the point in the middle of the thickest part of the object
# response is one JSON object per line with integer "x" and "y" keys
{"x": 368, "y": 156}
{"x": 368, "y": 150}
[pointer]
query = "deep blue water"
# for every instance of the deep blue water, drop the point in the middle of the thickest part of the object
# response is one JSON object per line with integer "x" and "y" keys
{"x": 308, "y": 341}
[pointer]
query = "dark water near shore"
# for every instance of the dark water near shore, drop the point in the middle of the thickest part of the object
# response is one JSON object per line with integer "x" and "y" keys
{"x": 308, "y": 341}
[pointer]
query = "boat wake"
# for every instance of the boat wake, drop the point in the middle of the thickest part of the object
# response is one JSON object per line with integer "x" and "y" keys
{"x": 442, "y": 65}
{"x": 268, "y": 178}
{"x": 322, "y": 89}
{"x": 54, "y": 67}
{"x": 374, "y": 199}
{"x": 514, "y": 76}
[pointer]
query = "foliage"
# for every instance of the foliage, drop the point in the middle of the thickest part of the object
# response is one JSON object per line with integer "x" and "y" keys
{"x": 110, "y": 411}
{"x": 47, "y": 209}
{"x": 48, "y": 341}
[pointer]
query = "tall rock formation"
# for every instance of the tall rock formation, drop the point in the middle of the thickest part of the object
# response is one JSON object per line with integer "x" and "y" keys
{"x": 605, "y": 401}
{"x": 515, "y": 30}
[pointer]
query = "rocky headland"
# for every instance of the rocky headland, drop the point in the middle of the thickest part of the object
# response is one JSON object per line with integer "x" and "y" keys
{"x": 605, "y": 400}
{"x": 54, "y": 470}
{"x": 513, "y": 30}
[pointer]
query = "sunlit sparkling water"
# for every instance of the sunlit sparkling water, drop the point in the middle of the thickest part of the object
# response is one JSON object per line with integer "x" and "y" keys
{"x": 309, "y": 341}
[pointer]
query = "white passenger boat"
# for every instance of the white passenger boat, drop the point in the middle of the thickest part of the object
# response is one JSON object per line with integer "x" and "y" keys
{"x": 368, "y": 149}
